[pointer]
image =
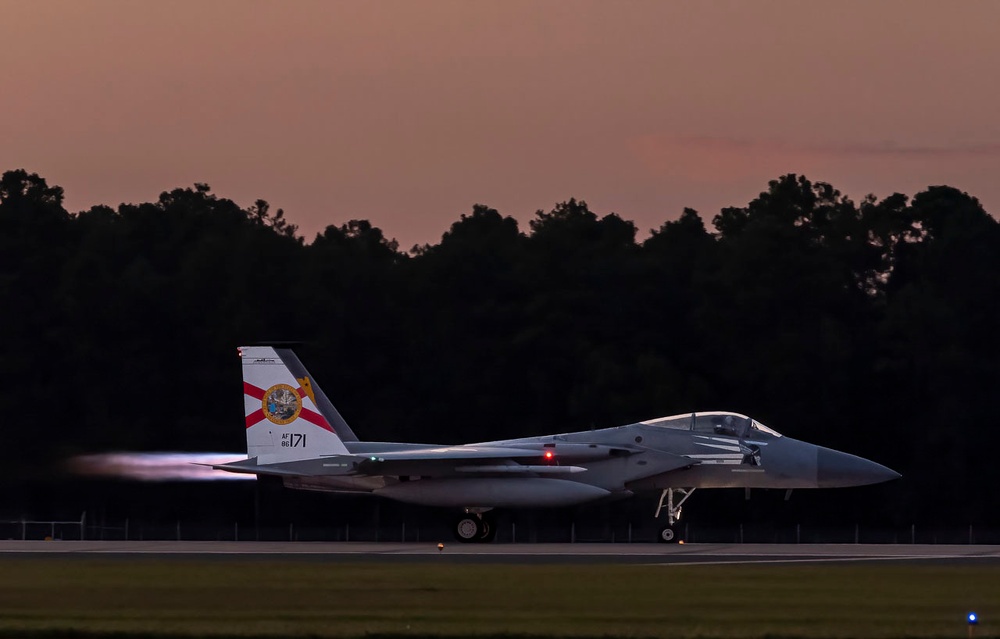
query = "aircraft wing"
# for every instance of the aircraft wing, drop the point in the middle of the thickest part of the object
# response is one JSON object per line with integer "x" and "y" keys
{"x": 458, "y": 453}
{"x": 473, "y": 460}
{"x": 448, "y": 460}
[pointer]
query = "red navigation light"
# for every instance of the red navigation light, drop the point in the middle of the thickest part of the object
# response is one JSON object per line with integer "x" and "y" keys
{"x": 549, "y": 454}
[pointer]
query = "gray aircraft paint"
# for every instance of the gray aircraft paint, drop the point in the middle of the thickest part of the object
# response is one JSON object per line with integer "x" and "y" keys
{"x": 697, "y": 450}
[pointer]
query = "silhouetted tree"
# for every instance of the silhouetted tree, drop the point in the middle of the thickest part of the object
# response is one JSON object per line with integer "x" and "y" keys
{"x": 870, "y": 327}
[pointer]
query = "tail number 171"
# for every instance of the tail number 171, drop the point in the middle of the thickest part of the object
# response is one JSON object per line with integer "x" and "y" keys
{"x": 293, "y": 440}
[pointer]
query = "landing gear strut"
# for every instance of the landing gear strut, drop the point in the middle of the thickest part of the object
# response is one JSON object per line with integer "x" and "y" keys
{"x": 668, "y": 534}
{"x": 475, "y": 527}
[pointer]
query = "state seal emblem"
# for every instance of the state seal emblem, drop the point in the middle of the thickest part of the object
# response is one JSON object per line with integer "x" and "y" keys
{"x": 281, "y": 404}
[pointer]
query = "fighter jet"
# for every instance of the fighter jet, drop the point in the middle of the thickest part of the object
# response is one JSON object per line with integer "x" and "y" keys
{"x": 295, "y": 433}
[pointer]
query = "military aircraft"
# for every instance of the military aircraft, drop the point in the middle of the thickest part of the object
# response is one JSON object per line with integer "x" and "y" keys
{"x": 295, "y": 433}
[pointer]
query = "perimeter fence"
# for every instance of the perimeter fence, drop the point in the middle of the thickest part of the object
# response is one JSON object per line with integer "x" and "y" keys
{"x": 507, "y": 532}
{"x": 25, "y": 529}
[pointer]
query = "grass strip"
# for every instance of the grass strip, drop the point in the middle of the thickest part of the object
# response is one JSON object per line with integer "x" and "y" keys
{"x": 119, "y": 598}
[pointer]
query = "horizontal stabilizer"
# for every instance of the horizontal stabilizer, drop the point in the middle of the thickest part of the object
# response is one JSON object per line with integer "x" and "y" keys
{"x": 250, "y": 467}
{"x": 335, "y": 465}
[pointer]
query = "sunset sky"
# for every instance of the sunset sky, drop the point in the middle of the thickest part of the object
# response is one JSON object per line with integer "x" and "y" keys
{"x": 407, "y": 113}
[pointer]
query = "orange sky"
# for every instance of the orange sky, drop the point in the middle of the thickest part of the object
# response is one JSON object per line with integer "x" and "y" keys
{"x": 407, "y": 113}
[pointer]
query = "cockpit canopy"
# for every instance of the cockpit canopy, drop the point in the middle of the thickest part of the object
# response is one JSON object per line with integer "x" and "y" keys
{"x": 715, "y": 422}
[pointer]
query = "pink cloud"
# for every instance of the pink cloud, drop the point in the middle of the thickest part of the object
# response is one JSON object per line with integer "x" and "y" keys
{"x": 706, "y": 158}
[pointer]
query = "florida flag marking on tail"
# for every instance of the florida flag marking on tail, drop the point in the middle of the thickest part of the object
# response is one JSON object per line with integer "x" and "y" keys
{"x": 281, "y": 404}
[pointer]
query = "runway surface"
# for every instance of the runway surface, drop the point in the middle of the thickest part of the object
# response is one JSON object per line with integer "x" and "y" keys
{"x": 650, "y": 554}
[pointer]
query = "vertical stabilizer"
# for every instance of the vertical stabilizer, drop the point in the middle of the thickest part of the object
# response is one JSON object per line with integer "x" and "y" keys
{"x": 308, "y": 382}
{"x": 283, "y": 421}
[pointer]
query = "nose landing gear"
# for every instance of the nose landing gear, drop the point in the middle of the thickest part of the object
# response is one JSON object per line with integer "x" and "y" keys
{"x": 668, "y": 534}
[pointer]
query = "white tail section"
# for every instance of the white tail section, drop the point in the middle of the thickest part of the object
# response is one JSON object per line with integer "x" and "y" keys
{"x": 283, "y": 423}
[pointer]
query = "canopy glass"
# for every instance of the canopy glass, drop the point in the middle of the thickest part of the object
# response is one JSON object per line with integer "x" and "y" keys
{"x": 715, "y": 422}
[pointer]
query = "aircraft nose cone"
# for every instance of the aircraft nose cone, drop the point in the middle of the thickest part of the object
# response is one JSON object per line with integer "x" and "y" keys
{"x": 835, "y": 469}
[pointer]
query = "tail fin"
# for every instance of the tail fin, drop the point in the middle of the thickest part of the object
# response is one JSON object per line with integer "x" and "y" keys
{"x": 316, "y": 393}
{"x": 283, "y": 421}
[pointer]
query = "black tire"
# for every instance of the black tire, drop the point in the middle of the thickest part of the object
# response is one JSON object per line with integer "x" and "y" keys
{"x": 488, "y": 530}
{"x": 468, "y": 529}
{"x": 667, "y": 535}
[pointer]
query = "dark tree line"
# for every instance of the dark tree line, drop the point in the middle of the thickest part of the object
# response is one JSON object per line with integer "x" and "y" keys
{"x": 867, "y": 326}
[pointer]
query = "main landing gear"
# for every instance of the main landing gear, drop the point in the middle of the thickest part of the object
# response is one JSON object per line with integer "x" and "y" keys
{"x": 668, "y": 534}
{"x": 475, "y": 527}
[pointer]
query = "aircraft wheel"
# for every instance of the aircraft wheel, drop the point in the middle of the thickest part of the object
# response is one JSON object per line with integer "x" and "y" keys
{"x": 488, "y": 530}
{"x": 667, "y": 535}
{"x": 468, "y": 529}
